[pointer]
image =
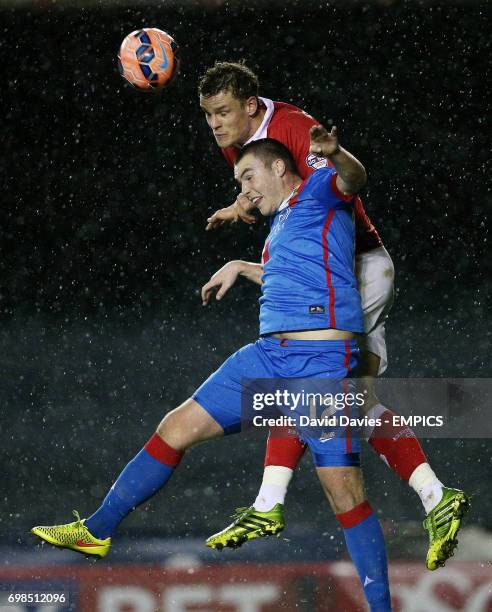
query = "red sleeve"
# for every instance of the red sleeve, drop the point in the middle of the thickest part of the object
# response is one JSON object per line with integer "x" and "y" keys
{"x": 366, "y": 235}
{"x": 291, "y": 127}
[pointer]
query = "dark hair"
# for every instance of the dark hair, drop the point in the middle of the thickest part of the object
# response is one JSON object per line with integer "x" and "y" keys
{"x": 268, "y": 150}
{"x": 235, "y": 77}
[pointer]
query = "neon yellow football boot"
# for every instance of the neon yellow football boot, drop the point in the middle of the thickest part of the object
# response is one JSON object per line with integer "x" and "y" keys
{"x": 443, "y": 524}
{"x": 248, "y": 524}
{"x": 75, "y": 537}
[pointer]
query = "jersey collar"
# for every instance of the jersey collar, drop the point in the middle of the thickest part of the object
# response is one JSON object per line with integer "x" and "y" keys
{"x": 262, "y": 131}
{"x": 292, "y": 194}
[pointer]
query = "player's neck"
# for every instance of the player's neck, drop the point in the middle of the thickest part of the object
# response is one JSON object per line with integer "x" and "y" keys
{"x": 255, "y": 123}
{"x": 291, "y": 188}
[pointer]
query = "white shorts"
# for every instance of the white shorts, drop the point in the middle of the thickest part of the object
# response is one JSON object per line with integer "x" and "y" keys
{"x": 375, "y": 277}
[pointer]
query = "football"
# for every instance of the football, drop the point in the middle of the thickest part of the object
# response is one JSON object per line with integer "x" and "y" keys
{"x": 148, "y": 60}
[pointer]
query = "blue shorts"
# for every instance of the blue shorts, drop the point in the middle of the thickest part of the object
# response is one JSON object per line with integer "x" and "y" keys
{"x": 222, "y": 393}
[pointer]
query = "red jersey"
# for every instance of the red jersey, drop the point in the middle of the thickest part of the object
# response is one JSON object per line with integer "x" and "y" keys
{"x": 290, "y": 125}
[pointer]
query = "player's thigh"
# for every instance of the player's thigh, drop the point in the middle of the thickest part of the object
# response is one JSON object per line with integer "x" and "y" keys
{"x": 369, "y": 363}
{"x": 375, "y": 280}
{"x": 343, "y": 486}
{"x": 373, "y": 359}
{"x": 224, "y": 394}
{"x": 188, "y": 424}
{"x": 369, "y": 367}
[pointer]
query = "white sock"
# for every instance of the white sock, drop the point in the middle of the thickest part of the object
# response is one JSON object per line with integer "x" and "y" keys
{"x": 427, "y": 486}
{"x": 276, "y": 479}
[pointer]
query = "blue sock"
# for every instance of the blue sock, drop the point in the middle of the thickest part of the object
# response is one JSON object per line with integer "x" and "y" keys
{"x": 365, "y": 543}
{"x": 141, "y": 478}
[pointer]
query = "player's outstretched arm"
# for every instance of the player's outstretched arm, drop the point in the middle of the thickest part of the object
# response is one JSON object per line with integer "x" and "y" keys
{"x": 351, "y": 173}
{"x": 225, "y": 278}
{"x": 240, "y": 210}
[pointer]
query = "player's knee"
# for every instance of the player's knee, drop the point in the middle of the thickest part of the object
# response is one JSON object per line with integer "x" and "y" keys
{"x": 174, "y": 432}
{"x": 187, "y": 425}
{"x": 344, "y": 487}
{"x": 345, "y": 500}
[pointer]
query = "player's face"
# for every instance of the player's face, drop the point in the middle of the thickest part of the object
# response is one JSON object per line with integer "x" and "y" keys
{"x": 262, "y": 185}
{"x": 229, "y": 118}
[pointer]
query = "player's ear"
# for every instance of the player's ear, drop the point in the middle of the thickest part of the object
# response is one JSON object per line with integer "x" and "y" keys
{"x": 252, "y": 105}
{"x": 279, "y": 167}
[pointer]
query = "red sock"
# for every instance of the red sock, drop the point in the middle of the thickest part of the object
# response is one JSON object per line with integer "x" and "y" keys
{"x": 355, "y": 516}
{"x": 283, "y": 448}
{"x": 162, "y": 452}
{"x": 398, "y": 445}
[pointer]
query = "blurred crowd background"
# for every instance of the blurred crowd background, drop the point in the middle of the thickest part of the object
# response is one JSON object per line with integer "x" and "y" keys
{"x": 105, "y": 195}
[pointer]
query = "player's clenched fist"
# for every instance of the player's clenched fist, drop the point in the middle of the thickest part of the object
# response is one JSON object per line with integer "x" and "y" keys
{"x": 240, "y": 210}
{"x": 323, "y": 143}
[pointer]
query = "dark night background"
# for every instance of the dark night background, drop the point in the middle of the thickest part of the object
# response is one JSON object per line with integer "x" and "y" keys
{"x": 105, "y": 194}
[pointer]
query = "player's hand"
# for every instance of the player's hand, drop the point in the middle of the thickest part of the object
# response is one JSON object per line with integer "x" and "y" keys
{"x": 240, "y": 210}
{"x": 221, "y": 281}
{"x": 244, "y": 208}
{"x": 323, "y": 143}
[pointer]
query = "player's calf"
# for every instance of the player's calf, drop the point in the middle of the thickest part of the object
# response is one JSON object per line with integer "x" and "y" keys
{"x": 142, "y": 477}
{"x": 363, "y": 535}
